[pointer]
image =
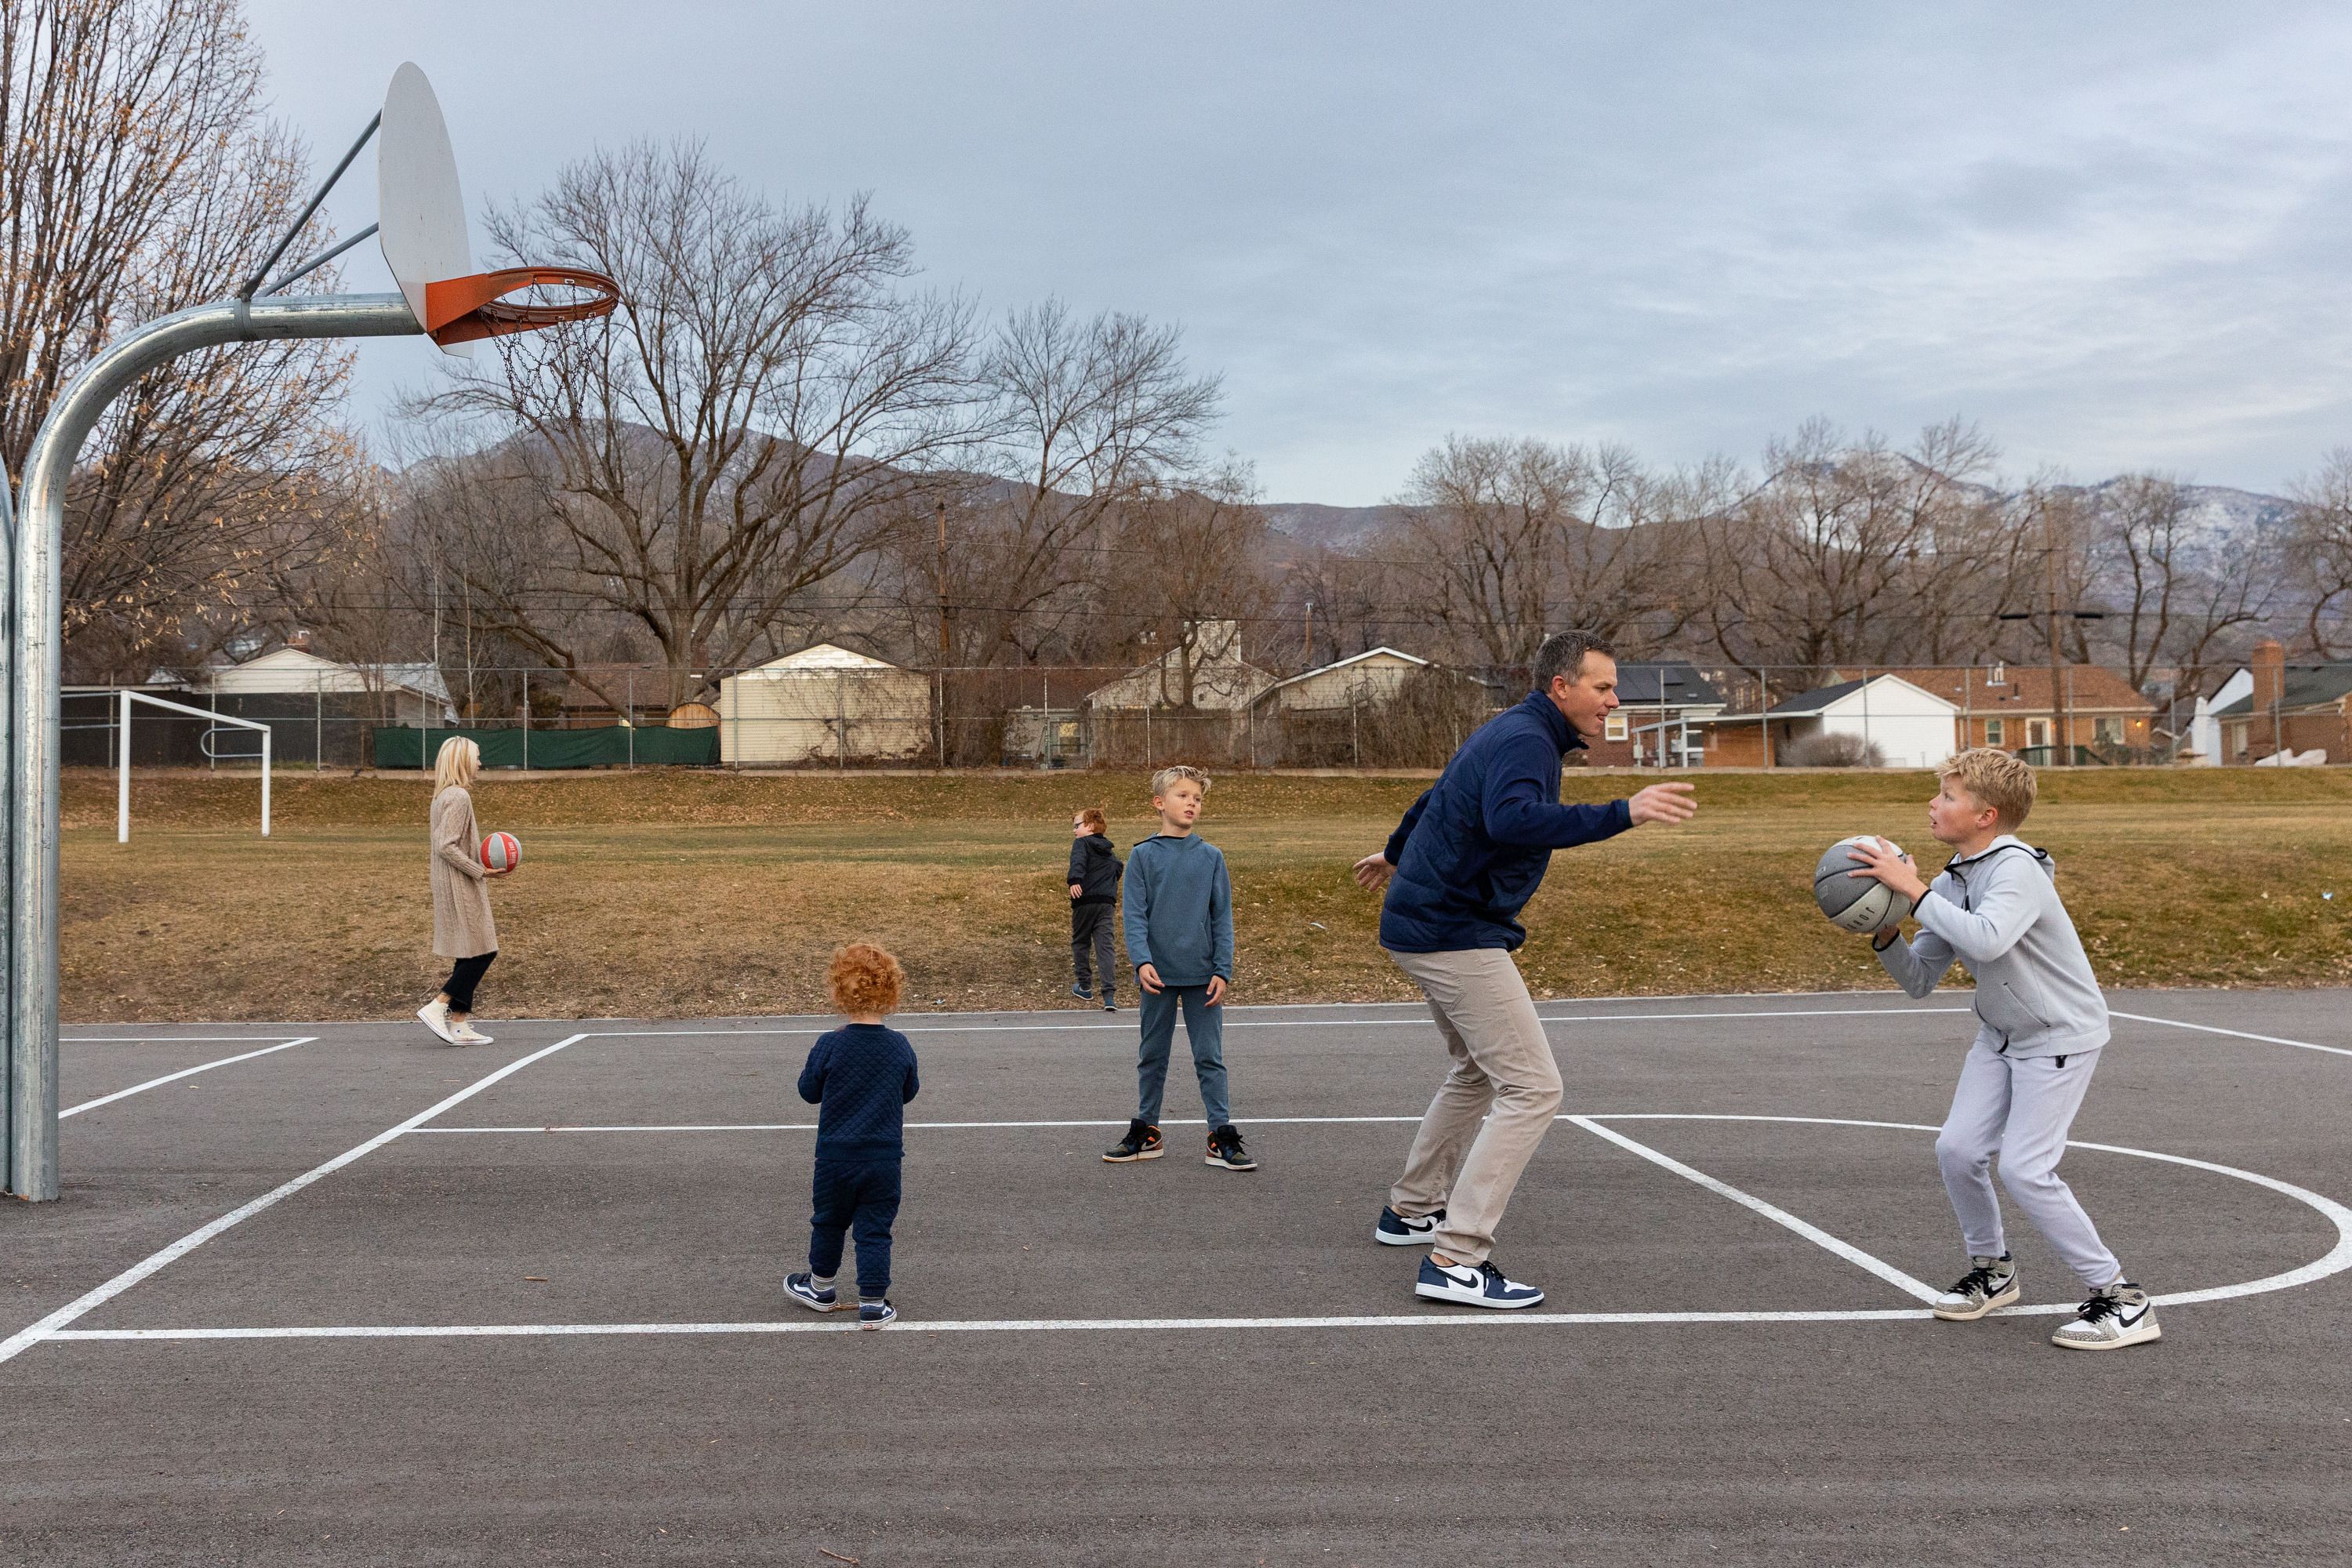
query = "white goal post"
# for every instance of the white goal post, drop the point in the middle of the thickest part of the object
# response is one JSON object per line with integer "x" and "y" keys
{"x": 220, "y": 721}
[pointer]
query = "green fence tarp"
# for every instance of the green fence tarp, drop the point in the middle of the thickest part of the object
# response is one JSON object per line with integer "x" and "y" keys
{"x": 612, "y": 745}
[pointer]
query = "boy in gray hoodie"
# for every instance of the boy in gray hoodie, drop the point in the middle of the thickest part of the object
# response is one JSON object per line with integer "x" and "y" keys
{"x": 1178, "y": 909}
{"x": 2041, "y": 1023}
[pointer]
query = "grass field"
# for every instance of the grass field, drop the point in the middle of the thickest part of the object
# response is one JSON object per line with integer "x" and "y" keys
{"x": 678, "y": 895}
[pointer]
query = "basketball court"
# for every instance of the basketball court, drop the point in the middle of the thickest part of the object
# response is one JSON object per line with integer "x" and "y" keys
{"x": 344, "y": 1280}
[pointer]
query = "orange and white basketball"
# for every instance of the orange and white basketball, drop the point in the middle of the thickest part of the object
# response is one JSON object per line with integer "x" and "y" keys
{"x": 501, "y": 852}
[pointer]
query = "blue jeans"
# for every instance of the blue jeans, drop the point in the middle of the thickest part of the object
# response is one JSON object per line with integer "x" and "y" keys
{"x": 1204, "y": 1027}
{"x": 859, "y": 1195}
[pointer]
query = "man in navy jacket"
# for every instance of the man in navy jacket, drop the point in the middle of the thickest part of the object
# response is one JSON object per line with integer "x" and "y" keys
{"x": 1467, "y": 856}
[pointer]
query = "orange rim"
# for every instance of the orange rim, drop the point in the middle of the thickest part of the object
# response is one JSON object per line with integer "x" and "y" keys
{"x": 461, "y": 310}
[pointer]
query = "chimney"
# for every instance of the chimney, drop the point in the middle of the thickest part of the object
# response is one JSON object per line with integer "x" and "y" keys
{"x": 299, "y": 640}
{"x": 2269, "y": 669}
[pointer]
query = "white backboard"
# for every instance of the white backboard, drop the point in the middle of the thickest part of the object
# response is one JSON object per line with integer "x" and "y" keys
{"x": 420, "y": 210}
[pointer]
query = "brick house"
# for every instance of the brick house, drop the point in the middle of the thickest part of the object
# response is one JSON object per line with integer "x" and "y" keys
{"x": 2008, "y": 707}
{"x": 2297, "y": 709}
{"x": 1662, "y": 722}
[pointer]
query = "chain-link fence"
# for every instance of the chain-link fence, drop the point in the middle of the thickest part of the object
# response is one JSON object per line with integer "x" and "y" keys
{"x": 1376, "y": 710}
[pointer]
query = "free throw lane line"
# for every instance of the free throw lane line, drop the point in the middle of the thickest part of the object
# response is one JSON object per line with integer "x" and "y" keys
{"x": 1812, "y": 1233}
{"x": 2233, "y": 1034}
{"x": 175, "y": 1076}
{"x": 25, "y": 1339}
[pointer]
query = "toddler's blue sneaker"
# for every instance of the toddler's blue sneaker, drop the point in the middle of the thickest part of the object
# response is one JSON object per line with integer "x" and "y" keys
{"x": 873, "y": 1314}
{"x": 803, "y": 1287}
{"x": 1473, "y": 1285}
{"x": 1394, "y": 1230}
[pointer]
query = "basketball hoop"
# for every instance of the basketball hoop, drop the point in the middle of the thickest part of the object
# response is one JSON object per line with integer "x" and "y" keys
{"x": 421, "y": 224}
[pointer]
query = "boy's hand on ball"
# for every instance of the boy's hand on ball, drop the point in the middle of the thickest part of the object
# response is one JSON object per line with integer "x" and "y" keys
{"x": 1668, "y": 803}
{"x": 1372, "y": 872}
{"x": 1884, "y": 862}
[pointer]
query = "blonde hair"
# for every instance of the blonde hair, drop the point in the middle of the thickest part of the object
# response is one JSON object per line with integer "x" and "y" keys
{"x": 1165, "y": 779}
{"x": 1996, "y": 778}
{"x": 865, "y": 978}
{"x": 456, "y": 764}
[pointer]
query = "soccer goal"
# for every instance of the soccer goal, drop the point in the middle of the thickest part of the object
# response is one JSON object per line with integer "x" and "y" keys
{"x": 209, "y": 742}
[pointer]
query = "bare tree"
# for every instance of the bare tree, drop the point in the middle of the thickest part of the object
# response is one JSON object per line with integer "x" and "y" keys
{"x": 2169, "y": 600}
{"x": 1085, "y": 418}
{"x": 1486, "y": 516}
{"x": 142, "y": 177}
{"x": 1198, "y": 544}
{"x": 742, "y": 431}
{"x": 2321, "y": 532}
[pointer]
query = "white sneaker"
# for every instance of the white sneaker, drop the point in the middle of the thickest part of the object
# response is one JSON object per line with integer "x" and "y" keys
{"x": 434, "y": 1016}
{"x": 467, "y": 1035}
{"x": 1989, "y": 1283}
{"x": 1473, "y": 1285}
{"x": 2113, "y": 1316}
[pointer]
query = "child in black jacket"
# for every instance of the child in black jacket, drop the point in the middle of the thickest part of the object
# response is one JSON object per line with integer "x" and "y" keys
{"x": 861, "y": 1076}
{"x": 1094, "y": 895}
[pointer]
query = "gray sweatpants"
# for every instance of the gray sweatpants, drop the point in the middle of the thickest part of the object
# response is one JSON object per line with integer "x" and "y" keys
{"x": 2020, "y": 1107}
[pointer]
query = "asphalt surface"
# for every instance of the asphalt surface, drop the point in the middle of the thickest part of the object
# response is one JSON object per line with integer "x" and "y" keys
{"x": 1409, "y": 1432}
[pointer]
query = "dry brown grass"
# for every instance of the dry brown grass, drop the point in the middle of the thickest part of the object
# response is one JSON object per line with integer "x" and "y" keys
{"x": 676, "y": 895}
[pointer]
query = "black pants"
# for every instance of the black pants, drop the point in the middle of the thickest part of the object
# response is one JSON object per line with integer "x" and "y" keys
{"x": 1091, "y": 926}
{"x": 860, "y": 1196}
{"x": 464, "y": 978}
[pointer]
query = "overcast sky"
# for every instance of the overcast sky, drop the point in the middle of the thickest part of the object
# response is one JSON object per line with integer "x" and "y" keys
{"x": 2116, "y": 238}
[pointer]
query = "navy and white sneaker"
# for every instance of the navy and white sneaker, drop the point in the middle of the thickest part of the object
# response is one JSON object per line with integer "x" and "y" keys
{"x": 1083, "y": 993}
{"x": 873, "y": 1314}
{"x": 1473, "y": 1285}
{"x": 1394, "y": 1230}
{"x": 803, "y": 1287}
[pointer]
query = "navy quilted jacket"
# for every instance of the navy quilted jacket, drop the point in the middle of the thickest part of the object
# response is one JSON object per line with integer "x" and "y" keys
{"x": 861, "y": 1076}
{"x": 1473, "y": 849}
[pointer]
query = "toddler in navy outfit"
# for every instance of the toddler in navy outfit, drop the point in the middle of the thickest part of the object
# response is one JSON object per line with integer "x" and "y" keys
{"x": 861, "y": 1078}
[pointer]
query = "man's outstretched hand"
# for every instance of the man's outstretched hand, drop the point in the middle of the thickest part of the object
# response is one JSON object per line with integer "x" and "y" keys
{"x": 1372, "y": 872}
{"x": 1666, "y": 803}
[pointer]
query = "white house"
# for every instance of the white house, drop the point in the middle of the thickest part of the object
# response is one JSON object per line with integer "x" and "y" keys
{"x": 412, "y": 694}
{"x": 1222, "y": 680}
{"x": 1363, "y": 679}
{"x": 824, "y": 704}
{"x": 1910, "y": 727}
{"x": 2205, "y": 728}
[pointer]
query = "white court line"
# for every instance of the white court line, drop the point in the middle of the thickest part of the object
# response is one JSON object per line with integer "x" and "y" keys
{"x": 165, "y": 1040}
{"x": 908, "y": 1024}
{"x": 1812, "y": 1233}
{"x": 911, "y": 1126}
{"x": 814, "y": 1325}
{"x": 2235, "y": 1034}
{"x": 25, "y": 1339}
{"x": 175, "y": 1076}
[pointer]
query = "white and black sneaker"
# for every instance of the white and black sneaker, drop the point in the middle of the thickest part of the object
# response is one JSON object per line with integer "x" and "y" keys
{"x": 2115, "y": 1315}
{"x": 1393, "y": 1229}
{"x": 1989, "y": 1283}
{"x": 803, "y": 1287}
{"x": 1473, "y": 1285}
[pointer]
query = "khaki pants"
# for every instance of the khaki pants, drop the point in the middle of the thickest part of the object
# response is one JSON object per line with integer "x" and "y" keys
{"x": 1502, "y": 1063}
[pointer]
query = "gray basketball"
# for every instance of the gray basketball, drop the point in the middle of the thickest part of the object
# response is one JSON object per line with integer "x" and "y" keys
{"x": 1854, "y": 903}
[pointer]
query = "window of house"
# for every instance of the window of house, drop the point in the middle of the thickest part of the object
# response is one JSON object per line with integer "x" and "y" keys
{"x": 2107, "y": 731}
{"x": 1994, "y": 732}
{"x": 2037, "y": 732}
{"x": 1619, "y": 727}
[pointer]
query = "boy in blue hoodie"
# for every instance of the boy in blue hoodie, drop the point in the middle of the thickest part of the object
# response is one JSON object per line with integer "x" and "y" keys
{"x": 861, "y": 1078}
{"x": 1178, "y": 908}
{"x": 2042, "y": 1023}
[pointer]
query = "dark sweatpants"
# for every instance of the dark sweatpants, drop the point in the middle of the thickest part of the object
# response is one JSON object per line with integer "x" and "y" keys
{"x": 860, "y": 1196}
{"x": 1091, "y": 926}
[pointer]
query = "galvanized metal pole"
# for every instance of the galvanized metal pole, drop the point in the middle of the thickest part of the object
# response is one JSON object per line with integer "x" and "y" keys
{"x": 122, "y": 783}
{"x": 37, "y": 651}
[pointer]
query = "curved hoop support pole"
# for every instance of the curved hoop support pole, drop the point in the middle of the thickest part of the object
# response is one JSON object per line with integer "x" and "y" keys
{"x": 36, "y": 646}
{"x": 460, "y": 310}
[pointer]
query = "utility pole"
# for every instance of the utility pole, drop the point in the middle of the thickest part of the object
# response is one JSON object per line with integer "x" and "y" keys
{"x": 2063, "y": 753}
{"x": 944, "y": 641}
{"x": 1310, "y": 646}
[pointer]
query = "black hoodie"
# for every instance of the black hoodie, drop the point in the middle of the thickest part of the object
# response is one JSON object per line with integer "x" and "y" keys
{"x": 1094, "y": 866}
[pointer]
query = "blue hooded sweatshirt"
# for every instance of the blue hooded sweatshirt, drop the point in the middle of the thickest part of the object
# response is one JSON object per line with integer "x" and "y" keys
{"x": 1178, "y": 909}
{"x": 1473, "y": 849}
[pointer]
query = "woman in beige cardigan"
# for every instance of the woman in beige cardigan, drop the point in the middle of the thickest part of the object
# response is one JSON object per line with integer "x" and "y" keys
{"x": 462, "y": 927}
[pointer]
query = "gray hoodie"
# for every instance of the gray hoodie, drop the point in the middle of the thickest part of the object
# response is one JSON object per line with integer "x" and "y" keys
{"x": 1998, "y": 913}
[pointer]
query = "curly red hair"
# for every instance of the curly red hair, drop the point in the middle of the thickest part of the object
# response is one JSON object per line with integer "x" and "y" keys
{"x": 865, "y": 979}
